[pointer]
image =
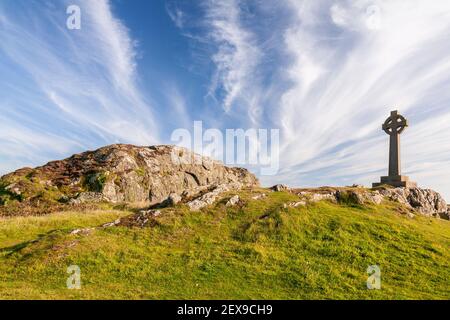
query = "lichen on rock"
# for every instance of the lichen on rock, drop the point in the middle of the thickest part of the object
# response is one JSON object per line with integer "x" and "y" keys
{"x": 122, "y": 173}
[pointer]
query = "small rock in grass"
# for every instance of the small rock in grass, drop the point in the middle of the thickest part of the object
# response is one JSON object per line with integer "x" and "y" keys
{"x": 259, "y": 196}
{"x": 84, "y": 231}
{"x": 294, "y": 204}
{"x": 151, "y": 212}
{"x": 279, "y": 187}
{"x": 233, "y": 201}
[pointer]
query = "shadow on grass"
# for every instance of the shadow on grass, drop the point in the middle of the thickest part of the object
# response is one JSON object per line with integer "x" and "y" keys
{"x": 20, "y": 246}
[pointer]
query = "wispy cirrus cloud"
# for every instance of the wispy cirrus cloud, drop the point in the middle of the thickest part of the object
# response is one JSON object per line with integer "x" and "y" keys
{"x": 81, "y": 87}
{"x": 325, "y": 72}
{"x": 341, "y": 66}
{"x": 176, "y": 14}
{"x": 353, "y": 62}
{"x": 236, "y": 58}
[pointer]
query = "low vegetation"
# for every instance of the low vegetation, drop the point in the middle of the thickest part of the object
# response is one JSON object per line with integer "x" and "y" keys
{"x": 257, "y": 249}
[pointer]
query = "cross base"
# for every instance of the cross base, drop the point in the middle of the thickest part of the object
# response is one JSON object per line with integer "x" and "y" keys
{"x": 396, "y": 181}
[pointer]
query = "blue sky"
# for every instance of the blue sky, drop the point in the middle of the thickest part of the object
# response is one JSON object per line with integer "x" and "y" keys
{"x": 326, "y": 73}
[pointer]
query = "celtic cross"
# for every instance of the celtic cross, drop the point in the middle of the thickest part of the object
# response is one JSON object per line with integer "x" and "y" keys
{"x": 394, "y": 126}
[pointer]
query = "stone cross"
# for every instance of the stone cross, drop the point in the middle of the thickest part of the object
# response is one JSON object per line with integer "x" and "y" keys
{"x": 394, "y": 126}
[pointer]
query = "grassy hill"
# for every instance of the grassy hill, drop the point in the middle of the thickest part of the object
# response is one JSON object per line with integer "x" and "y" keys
{"x": 257, "y": 250}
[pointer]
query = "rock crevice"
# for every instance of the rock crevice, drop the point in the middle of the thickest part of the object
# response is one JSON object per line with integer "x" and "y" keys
{"x": 123, "y": 173}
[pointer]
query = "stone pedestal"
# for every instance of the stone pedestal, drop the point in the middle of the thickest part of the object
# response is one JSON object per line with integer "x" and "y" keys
{"x": 396, "y": 181}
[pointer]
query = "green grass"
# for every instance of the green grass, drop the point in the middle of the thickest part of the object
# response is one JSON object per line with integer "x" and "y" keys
{"x": 258, "y": 251}
{"x": 95, "y": 182}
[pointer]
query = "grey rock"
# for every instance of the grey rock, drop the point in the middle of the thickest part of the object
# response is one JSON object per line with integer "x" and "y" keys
{"x": 313, "y": 197}
{"x": 141, "y": 219}
{"x": 84, "y": 231}
{"x": 232, "y": 201}
{"x": 279, "y": 187}
{"x": 295, "y": 204}
{"x": 259, "y": 196}
{"x": 410, "y": 215}
{"x": 84, "y": 197}
{"x": 151, "y": 212}
{"x": 323, "y": 196}
{"x": 425, "y": 201}
{"x": 446, "y": 215}
{"x": 397, "y": 195}
{"x": 360, "y": 197}
{"x": 211, "y": 196}
{"x": 111, "y": 224}
{"x": 14, "y": 189}
{"x": 375, "y": 197}
{"x": 76, "y": 231}
{"x": 127, "y": 173}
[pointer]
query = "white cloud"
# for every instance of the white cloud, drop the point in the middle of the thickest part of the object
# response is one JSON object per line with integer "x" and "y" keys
{"x": 86, "y": 80}
{"x": 326, "y": 72}
{"x": 176, "y": 14}
{"x": 348, "y": 72}
{"x": 237, "y": 54}
{"x": 350, "y": 63}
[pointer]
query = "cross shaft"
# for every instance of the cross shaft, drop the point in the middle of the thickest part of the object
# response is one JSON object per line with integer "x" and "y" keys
{"x": 394, "y": 126}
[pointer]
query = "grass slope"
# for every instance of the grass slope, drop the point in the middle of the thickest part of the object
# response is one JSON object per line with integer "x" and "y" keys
{"x": 256, "y": 251}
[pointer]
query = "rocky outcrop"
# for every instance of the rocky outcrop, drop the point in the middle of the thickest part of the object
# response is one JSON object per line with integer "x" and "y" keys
{"x": 210, "y": 197}
{"x": 161, "y": 176}
{"x": 359, "y": 197}
{"x": 425, "y": 201}
{"x": 342, "y": 195}
{"x": 123, "y": 173}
